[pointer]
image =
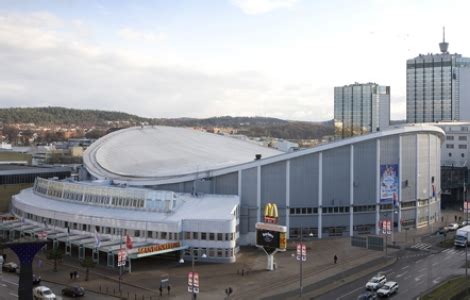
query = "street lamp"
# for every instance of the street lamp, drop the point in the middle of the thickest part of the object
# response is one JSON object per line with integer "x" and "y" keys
{"x": 181, "y": 261}
{"x": 301, "y": 257}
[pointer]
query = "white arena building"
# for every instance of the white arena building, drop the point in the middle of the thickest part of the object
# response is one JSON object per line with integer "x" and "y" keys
{"x": 176, "y": 189}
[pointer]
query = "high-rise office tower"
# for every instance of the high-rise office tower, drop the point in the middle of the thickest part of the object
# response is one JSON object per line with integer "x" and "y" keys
{"x": 361, "y": 108}
{"x": 438, "y": 87}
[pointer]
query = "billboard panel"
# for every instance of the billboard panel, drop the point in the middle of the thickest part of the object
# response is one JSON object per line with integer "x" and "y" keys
{"x": 389, "y": 184}
{"x": 271, "y": 239}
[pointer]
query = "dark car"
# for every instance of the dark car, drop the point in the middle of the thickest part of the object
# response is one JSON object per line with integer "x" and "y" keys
{"x": 36, "y": 280}
{"x": 10, "y": 267}
{"x": 442, "y": 230}
{"x": 73, "y": 291}
{"x": 367, "y": 296}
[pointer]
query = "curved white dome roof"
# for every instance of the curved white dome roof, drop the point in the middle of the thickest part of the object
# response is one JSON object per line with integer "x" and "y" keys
{"x": 164, "y": 152}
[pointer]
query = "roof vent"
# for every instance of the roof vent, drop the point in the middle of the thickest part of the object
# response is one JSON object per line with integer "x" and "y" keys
{"x": 257, "y": 156}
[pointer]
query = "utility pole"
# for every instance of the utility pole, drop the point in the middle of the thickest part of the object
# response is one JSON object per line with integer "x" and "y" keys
{"x": 120, "y": 266}
{"x": 301, "y": 259}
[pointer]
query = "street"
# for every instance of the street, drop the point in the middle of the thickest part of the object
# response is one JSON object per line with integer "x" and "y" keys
{"x": 415, "y": 271}
{"x": 9, "y": 289}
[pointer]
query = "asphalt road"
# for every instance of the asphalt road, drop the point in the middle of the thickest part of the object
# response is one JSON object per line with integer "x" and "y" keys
{"x": 9, "y": 289}
{"x": 416, "y": 271}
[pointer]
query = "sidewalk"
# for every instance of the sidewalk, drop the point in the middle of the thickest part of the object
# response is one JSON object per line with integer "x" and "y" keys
{"x": 247, "y": 277}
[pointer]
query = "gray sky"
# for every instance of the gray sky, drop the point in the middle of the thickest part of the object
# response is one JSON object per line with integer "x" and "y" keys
{"x": 278, "y": 58}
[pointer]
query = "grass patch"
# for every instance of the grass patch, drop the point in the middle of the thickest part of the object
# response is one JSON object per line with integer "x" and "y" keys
{"x": 448, "y": 290}
{"x": 448, "y": 243}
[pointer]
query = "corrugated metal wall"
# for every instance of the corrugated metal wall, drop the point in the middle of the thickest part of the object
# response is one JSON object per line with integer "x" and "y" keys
{"x": 248, "y": 205}
{"x": 304, "y": 181}
{"x": 408, "y": 171}
{"x": 365, "y": 170}
{"x": 336, "y": 164}
{"x": 273, "y": 187}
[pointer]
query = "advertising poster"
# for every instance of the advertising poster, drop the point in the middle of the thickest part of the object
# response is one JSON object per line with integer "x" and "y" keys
{"x": 389, "y": 184}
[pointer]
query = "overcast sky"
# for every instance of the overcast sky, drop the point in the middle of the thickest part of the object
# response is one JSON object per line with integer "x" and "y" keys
{"x": 276, "y": 58}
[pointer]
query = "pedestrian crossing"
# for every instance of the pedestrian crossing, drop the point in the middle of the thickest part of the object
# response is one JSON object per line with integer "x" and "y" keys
{"x": 421, "y": 246}
{"x": 455, "y": 251}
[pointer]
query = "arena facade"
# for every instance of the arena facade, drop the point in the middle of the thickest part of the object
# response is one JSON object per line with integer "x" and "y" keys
{"x": 220, "y": 186}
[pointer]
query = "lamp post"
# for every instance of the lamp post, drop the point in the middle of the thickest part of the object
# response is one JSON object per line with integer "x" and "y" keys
{"x": 181, "y": 261}
{"x": 301, "y": 257}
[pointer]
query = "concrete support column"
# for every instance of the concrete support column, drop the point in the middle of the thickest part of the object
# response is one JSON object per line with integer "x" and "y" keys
{"x": 377, "y": 187}
{"x": 351, "y": 192}
{"x": 258, "y": 193}
{"x": 417, "y": 181}
{"x": 400, "y": 180}
{"x": 320, "y": 193}
{"x": 287, "y": 197}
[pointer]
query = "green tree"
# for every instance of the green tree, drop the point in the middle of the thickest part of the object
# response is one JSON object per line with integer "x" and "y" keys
{"x": 88, "y": 263}
{"x": 55, "y": 255}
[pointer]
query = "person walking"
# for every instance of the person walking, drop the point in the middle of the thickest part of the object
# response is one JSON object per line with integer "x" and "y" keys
{"x": 169, "y": 289}
{"x": 71, "y": 275}
{"x": 335, "y": 258}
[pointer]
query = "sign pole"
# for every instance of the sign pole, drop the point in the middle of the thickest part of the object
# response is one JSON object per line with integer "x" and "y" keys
{"x": 120, "y": 264}
{"x": 301, "y": 259}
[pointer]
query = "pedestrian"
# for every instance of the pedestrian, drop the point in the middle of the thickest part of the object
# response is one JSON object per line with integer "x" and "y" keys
{"x": 335, "y": 258}
{"x": 71, "y": 275}
{"x": 169, "y": 289}
{"x": 161, "y": 290}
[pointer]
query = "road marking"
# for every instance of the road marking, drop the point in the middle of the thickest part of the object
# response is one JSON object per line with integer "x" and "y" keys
{"x": 418, "y": 278}
{"x": 14, "y": 295}
{"x": 422, "y": 270}
{"x": 10, "y": 282}
{"x": 405, "y": 267}
{"x": 407, "y": 277}
{"x": 351, "y": 292}
{"x": 3, "y": 284}
{"x": 437, "y": 280}
{"x": 418, "y": 261}
{"x": 435, "y": 264}
{"x": 401, "y": 274}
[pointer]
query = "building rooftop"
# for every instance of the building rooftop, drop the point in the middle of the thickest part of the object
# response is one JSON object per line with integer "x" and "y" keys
{"x": 206, "y": 207}
{"x": 164, "y": 152}
{"x": 13, "y": 169}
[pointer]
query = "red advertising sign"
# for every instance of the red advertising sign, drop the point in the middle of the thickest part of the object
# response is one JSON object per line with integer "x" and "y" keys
{"x": 304, "y": 252}
{"x": 196, "y": 279}
{"x": 190, "y": 282}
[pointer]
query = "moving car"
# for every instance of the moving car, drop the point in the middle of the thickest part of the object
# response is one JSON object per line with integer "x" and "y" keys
{"x": 36, "y": 280}
{"x": 73, "y": 291}
{"x": 367, "y": 296}
{"x": 388, "y": 289}
{"x": 442, "y": 230}
{"x": 10, "y": 267}
{"x": 43, "y": 293}
{"x": 376, "y": 282}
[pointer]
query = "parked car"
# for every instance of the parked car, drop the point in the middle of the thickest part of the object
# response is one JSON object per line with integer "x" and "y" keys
{"x": 73, "y": 291}
{"x": 367, "y": 296}
{"x": 376, "y": 282}
{"x": 453, "y": 226}
{"x": 388, "y": 289}
{"x": 463, "y": 223}
{"x": 10, "y": 267}
{"x": 43, "y": 293}
{"x": 442, "y": 230}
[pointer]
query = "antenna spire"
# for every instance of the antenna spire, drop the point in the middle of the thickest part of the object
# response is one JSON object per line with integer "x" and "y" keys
{"x": 444, "y": 46}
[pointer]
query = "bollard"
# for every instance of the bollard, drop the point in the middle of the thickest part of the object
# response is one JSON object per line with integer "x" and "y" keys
{"x": 135, "y": 296}
{"x": 100, "y": 288}
{"x": 114, "y": 291}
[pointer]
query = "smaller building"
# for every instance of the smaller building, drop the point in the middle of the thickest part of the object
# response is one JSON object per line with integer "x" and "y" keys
{"x": 14, "y": 178}
{"x": 99, "y": 216}
{"x": 361, "y": 108}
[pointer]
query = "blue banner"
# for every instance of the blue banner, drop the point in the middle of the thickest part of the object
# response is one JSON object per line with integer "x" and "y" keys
{"x": 389, "y": 184}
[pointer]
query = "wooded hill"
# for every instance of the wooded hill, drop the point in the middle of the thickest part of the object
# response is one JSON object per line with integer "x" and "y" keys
{"x": 250, "y": 126}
